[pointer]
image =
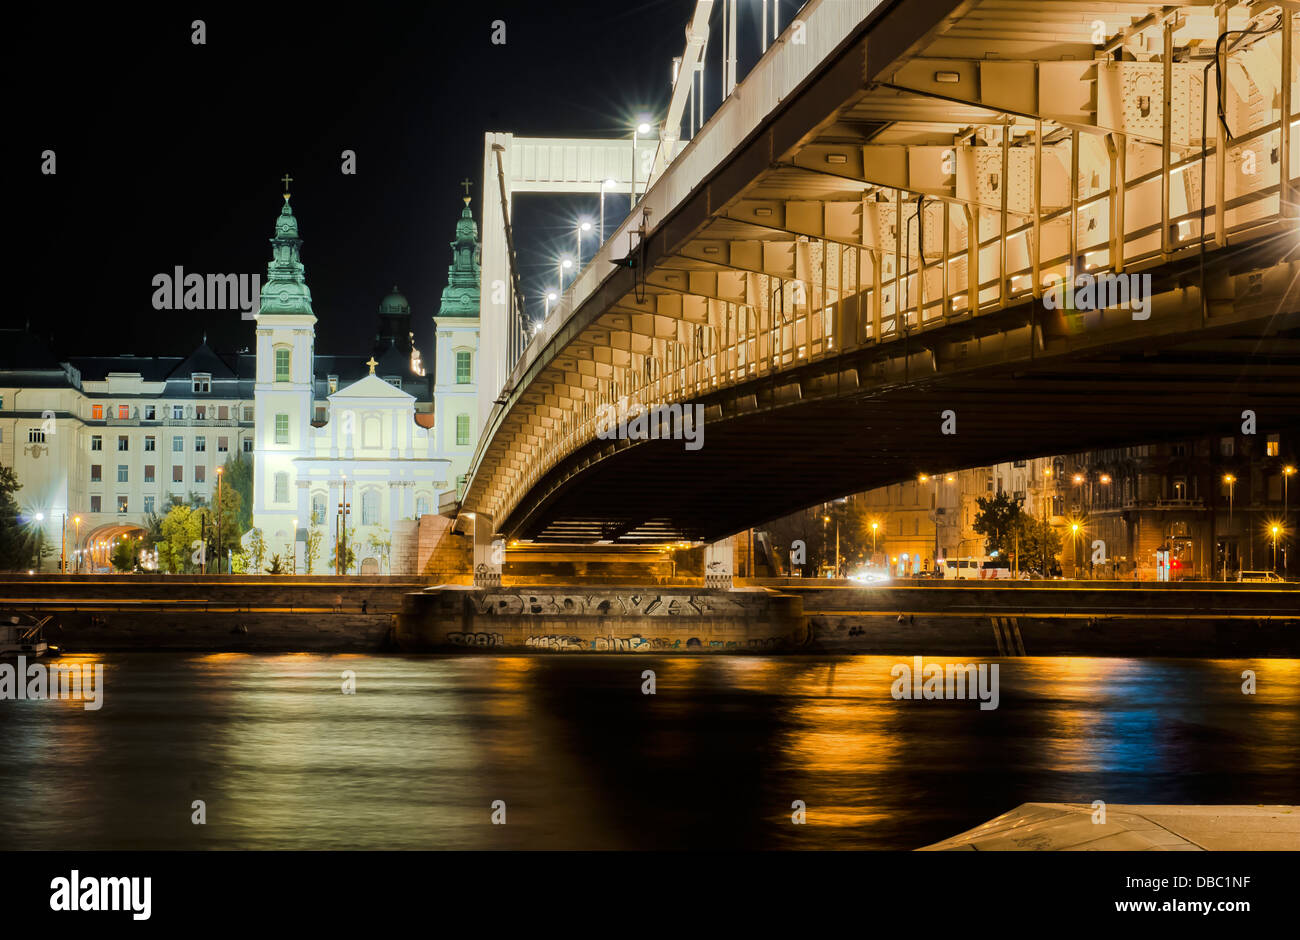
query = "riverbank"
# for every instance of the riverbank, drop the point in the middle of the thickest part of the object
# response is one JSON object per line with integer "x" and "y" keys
{"x": 304, "y": 614}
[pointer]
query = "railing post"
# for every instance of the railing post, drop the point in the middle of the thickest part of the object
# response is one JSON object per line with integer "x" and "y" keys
{"x": 1166, "y": 137}
{"x": 1036, "y": 248}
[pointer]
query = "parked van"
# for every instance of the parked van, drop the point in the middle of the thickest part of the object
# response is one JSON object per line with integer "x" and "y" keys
{"x": 961, "y": 569}
{"x": 1269, "y": 576}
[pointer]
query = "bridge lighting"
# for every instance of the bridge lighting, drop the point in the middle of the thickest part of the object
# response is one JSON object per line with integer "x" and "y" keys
{"x": 1078, "y": 478}
{"x": 1105, "y": 478}
{"x": 565, "y": 263}
{"x": 641, "y": 129}
{"x": 584, "y": 225}
{"x": 550, "y": 299}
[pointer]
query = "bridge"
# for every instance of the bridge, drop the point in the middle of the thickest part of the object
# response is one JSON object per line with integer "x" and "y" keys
{"x": 855, "y": 267}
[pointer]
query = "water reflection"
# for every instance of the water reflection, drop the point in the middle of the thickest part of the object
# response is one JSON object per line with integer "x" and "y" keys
{"x": 282, "y": 758}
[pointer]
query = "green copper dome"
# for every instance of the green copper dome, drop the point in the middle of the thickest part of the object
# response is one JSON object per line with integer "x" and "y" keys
{"x": 285, "y": 291}
{"x": 461, "y": 295}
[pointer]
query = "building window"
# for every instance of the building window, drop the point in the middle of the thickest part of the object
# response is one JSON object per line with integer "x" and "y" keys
{"x": 282, "y": 487}
{"x": 201, "y": 412}
{"x": 463, "y": 374}
{"x": 282, "y": 365}
{"x": 148, "y": 473}
{"x": 370, "y": 508}
{"x": 223, "y": 445}
{"x": 393, "y": 380}
{"x": 178, "y": 473}
{"x": 96, "y": 412}
{"x": 148, "y": 504}
{"x": 421, "y": 507}
{"x": 121, "y": 473}
{"x": 178, "y": 412}
{"x": 178, "y": 444}
{"x": 282, "y": 429}
{"x": 96, "y": 442}
{"x": 462, "y": 430}
{"x": 200, "y": 474}
{"x": 150, "y": 443}
{"x": 200, "y": 444}
{"x": 123, "y": 442}
{"x": 248, "y": 445}
{"x": 1273, "y": 447}
{"x": 320, "y": 414}
{"x": 35, "y": 436}
{"x": 150, "y": 412}
{"x": 96, "y": 473}
{"x": 123, "y": 412}
{"x": 1226, "y": 446}
{"x": 201, "y": 383}
{"x": 333, "y": 383}
{"x": 248, "y": 412}
{"x": 318, "y": 509}
{"x": 223, "y": 412}
{"x": 121, "y": 504}
{"x": 1018, "y": 463}
{"x": 95, "y": 503}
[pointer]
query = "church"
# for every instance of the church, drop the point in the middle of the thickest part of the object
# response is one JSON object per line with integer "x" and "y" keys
{"x": 364, "y": 443}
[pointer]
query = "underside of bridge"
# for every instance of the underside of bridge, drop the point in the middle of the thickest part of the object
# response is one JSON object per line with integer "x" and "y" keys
{"x": 860, "y": 287}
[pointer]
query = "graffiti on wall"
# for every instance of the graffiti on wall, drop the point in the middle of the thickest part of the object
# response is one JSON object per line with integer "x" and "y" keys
{"x": 640, "y": 644}
{"x": 475, "y": 639}
{"x": 605, "y": 605}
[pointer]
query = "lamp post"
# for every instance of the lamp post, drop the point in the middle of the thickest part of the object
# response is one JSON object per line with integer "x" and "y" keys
{"x": 550, "y": 298}
{"x": 341, "y": 531}
{"x": 874, "y": 527}
{"x": 608, "y": 184}
{"x": 642, "y": 127}
{"x": 1274, "y": 531}
{"x": 565, "y": 263}
{"x": 583, "y": 226}
{"x": 76, "y": 537}
{"x": 293, "y": 545}
{"x": 1287, "y": 472}
{"x": 40, "y": 537}
{"x": 1229, "y": 479}
{"x": 219, "y": 469}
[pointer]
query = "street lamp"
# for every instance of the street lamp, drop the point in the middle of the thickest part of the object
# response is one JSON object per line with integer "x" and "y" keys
{"x": 874, "y": 527}
{"x": 219, "y": 469}
{"x": 1287, "y": 472}
{"x": 608, "y": 184}
{"x": 565, "y": 263}
{"x": 583, "y": 226}
{"x": 1229, "y": 479}
{"x": 642, "y": 128}
{"x": 1274, "y": 529}
{"x": 550, "y": 298}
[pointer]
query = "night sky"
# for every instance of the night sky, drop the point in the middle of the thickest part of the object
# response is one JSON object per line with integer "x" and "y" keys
{"x": 171, "y": 154}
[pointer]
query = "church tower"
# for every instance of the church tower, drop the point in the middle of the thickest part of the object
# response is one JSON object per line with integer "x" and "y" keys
{"x": 282, "y": 392}
{"x": 456, "y": 326}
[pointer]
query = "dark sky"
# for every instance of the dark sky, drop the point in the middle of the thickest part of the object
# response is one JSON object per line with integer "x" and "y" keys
{"x": 171, "y": 153}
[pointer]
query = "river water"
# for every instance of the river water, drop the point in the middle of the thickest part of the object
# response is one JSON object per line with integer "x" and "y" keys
{"x": 416, "y": 757}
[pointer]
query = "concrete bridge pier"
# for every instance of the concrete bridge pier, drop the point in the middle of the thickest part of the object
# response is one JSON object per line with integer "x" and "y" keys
{"x": 719, "y": 564}
{"x": 489, "y": 552}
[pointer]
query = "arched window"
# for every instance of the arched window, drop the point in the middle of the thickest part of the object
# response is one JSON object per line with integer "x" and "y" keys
{"x": 281, "y": 364}
{"x": 318, "y": 509}
{"x": 421, "y": 507}
{"x": 370, "y": 508}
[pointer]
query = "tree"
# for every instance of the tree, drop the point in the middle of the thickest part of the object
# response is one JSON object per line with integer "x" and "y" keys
{"x": 996, "y": 520}
{"x": 179, "y": 529}
{"x": 237, "y": 477}
{"x": 125, "y": 556}
{"x": 256, "y": 551}
{"x": 381, "y": 547}
{"x": 315, "y": 536}
{"x": 231, "y": 510}
{"x": 13, "y": 553}
{"x": 276, "y": 566}
{"x": 350, "y": 556}
{"x": 1039, "y": 544}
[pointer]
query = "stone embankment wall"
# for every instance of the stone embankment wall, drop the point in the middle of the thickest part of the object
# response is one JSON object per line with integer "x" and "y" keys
{"x": 628, "y": 619}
